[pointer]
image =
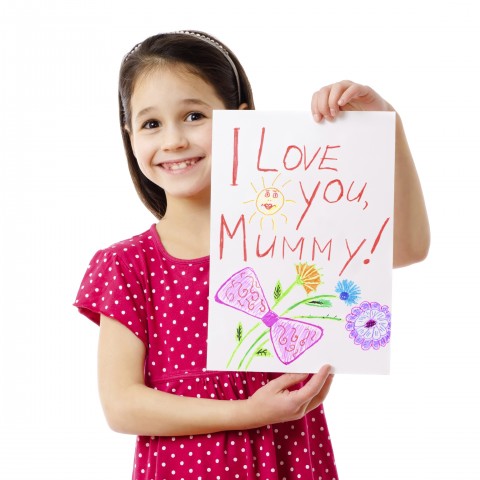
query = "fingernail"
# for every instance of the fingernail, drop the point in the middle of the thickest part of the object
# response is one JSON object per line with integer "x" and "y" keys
{"x": 316, "y": 117}
{"x": 333, "y": 112}
{"x": 341, "y": 101}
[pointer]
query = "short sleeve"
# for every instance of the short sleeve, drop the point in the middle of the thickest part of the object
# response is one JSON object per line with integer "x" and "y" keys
{"x": 110, "y": 287}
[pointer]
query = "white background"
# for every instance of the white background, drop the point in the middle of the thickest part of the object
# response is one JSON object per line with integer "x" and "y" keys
{"x": 65, "y": 192}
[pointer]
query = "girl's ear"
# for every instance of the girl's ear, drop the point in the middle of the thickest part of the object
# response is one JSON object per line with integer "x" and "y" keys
{"x": 243, "y": 106}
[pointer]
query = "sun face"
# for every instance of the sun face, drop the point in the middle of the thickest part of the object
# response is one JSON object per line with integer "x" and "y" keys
{"x": 269, "y": 202}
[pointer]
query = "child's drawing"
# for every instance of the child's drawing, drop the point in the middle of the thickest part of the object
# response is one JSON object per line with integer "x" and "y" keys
{"x": 369, "y": 325}
{"x": 290, "y": 338}
{"x": 268, "y": 202}
{"x": 348, "y": 291}
{"x": 302, "y": 228}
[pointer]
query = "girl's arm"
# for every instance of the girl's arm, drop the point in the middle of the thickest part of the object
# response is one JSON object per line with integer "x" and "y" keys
{"x": 411, "y": 234}
{"x": 132, "y": 407}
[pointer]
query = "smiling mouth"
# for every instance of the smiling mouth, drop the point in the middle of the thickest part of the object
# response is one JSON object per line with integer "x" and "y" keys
{"x": 182, "y": 165}
{"x": 268, "y": 206}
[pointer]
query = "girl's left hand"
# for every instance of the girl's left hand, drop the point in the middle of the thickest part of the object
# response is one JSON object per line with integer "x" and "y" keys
{"x": 346, "y": 95}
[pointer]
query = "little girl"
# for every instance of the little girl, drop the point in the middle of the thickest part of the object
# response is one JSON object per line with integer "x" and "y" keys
{"x": 149, "y": 293}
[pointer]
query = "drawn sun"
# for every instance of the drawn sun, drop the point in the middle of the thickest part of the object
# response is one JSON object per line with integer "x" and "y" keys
{"x": 269, "y": 202}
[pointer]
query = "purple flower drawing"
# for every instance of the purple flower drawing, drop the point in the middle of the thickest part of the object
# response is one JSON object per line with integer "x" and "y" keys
{"x": 369, "y": 325}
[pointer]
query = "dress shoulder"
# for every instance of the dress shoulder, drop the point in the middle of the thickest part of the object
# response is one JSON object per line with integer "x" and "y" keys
{"x": 114, "y": 283}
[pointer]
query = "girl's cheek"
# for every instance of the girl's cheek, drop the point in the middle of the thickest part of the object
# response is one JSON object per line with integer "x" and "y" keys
{"x": 144, "y": 154}
{"x": 143, "y": 161}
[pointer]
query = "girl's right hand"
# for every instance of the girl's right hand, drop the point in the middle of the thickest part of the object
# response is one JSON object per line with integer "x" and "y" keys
{"x": 275, "y": 403}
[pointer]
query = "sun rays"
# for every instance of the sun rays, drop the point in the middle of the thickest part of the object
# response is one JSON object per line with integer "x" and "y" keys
{"x": 269, "y": 202}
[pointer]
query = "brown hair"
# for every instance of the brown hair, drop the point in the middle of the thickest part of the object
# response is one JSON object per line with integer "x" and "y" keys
{"x": 201, "y": 54}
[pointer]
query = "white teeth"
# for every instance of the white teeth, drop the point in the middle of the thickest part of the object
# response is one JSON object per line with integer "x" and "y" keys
{"x": 179, "y": 165}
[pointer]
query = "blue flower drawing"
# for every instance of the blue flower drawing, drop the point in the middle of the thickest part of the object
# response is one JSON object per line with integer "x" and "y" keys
{"x": 369, "y": 325}
{"x": 348, "y": 291}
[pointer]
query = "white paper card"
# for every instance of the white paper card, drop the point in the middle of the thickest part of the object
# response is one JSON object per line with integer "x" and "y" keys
{"x": 301, "y": 242}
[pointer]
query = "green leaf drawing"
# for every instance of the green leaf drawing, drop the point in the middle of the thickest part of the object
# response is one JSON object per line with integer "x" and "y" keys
{"x": 316, "y": 301}
{"x": 239, "y": 332}
{"x": 277, "y": 291}
{"x": 263, "y": 352}
{"x": 319, "y": 303}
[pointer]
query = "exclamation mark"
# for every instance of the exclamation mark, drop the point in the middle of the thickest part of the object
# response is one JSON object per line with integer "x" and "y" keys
{"x": 377, "y": 240}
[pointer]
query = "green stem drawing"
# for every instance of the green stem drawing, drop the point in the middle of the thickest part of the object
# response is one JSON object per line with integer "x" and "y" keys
{"x": 240, "y": 343}
{"x": 253, "y": 345}
{"x": 306, "y": 300}
{"x": 337, "y": 319}
{"x": 254, "y": 354}
{"x": 298, "y": 281}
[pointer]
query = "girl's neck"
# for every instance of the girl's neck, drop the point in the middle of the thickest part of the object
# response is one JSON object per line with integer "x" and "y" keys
{"x": 185, "y": 229}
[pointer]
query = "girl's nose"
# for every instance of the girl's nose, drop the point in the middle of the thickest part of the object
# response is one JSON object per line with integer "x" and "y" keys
{"x": 173, "y": 138}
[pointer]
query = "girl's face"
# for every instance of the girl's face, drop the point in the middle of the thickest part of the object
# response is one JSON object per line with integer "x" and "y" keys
{"x": 171, "y": 131}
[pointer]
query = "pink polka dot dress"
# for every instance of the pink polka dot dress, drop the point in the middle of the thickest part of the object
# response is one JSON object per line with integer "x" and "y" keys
{"x": 164, "y": 302}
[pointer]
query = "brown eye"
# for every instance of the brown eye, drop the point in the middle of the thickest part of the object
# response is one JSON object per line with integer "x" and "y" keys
{"x": 194, "y": 116}
{"x": 149, "y": 124}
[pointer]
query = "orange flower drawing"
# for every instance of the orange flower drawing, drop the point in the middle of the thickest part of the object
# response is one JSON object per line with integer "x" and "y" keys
{"x": 308, "y": 277}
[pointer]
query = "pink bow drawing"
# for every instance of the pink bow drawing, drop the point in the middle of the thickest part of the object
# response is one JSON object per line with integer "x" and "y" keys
{"x": 290, "y": 338}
